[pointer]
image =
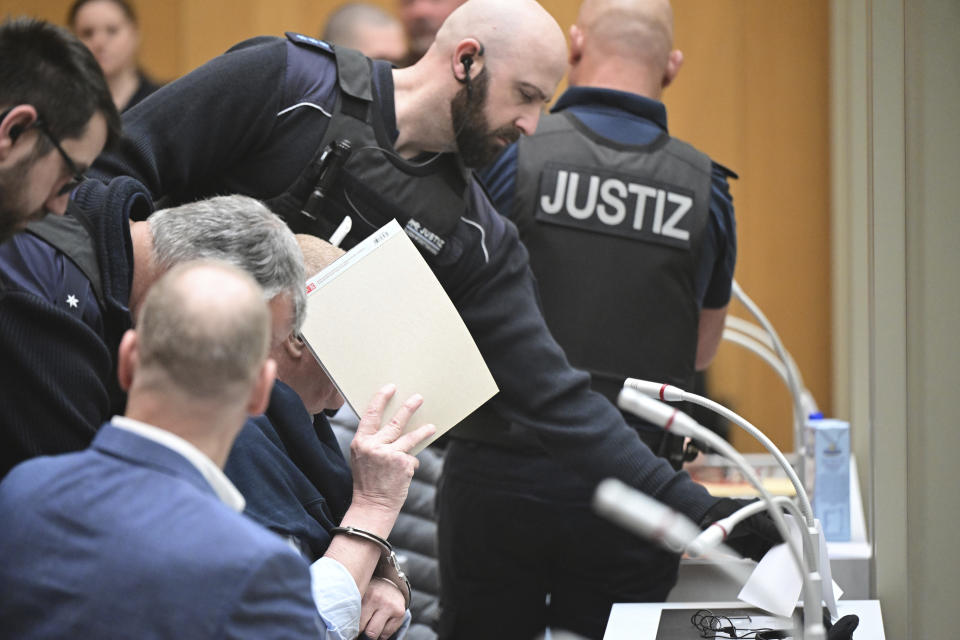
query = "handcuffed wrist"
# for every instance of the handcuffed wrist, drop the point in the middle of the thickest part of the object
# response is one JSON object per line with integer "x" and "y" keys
{"x": 388, "y": 567}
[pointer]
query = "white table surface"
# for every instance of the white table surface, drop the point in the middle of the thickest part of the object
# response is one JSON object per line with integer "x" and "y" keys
{"x": 639, "y": 621}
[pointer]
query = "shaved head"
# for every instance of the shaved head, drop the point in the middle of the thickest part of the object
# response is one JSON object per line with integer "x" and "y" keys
{"x": 628, "y": 28}
{"x": 624, "y": 45}
{"x": 517, "y": 32}
{"x": 492, "y": 68}
{"x": 317, "y": 254}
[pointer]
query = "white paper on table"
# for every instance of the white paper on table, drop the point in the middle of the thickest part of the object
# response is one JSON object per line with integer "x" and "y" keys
{"x": 776, "y": 584}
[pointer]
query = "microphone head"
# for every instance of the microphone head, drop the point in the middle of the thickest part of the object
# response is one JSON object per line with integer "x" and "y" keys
{"x": 710, "y": 538}
{"x": 665, "y": 392}
{"x": 643, "y": 515}
{"x": 658, "y": 413}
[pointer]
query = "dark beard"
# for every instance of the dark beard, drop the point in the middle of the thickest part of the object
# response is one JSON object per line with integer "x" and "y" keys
{"x": 12, "y": 183}
{"x": 476, "y": 144}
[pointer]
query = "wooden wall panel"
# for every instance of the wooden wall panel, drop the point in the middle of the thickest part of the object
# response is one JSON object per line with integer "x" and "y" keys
{"x": 160, "y": 53}
{"x": 753, "y": 93}
{"x": 53, "y": 10}
{"x": 237, "y": 20}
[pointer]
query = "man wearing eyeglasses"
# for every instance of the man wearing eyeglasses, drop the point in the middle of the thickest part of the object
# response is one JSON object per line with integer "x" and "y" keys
{"x": 56, "y": 115}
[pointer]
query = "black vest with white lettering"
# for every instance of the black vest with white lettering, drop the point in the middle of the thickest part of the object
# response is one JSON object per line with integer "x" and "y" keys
{"x": 375, "y": 184}
{"x": 614, "y": 233}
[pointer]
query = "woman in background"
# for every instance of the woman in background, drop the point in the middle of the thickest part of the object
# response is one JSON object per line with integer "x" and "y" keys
{"x": 109, "y": 29}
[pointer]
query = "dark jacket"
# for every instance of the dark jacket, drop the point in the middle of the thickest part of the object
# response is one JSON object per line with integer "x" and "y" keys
{"x": 58, "y": 376}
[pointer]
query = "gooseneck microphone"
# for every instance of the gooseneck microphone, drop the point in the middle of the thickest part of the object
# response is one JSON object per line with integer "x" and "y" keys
{"x": 718, "y": 531}
{"x": 679, "y": 423}
{"x": 669, "y": 393}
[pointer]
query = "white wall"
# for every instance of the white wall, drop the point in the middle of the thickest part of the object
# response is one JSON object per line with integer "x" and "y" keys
{"x": 933, "y": 314}
{"x": 896, "y": 153}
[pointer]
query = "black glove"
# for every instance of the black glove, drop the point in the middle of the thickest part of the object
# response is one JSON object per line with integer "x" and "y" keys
{"x": 843, "y": 628}
{"x": 751, "y": 538}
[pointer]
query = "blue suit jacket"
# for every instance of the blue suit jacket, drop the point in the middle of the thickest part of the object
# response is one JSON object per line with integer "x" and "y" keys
{"x": 127, "y": 540}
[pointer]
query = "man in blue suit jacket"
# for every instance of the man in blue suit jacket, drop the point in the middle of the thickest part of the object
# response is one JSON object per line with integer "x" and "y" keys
{"x": 141, "y": 534}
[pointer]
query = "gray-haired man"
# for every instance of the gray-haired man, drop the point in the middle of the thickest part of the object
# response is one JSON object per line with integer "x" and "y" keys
{"x": 236, "y": 229}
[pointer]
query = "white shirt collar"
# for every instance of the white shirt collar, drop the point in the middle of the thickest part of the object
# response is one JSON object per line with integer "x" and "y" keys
{"x": 214, "y": 476}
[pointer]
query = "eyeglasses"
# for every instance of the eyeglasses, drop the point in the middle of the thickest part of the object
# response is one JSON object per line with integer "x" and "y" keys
{"x": 75, "y": 171}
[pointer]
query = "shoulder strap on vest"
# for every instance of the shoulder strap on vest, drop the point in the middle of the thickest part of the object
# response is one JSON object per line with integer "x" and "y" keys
{"x": 353, "y": 73}
{"x": 356, "y": 82}
{"x": 69, "y": 236}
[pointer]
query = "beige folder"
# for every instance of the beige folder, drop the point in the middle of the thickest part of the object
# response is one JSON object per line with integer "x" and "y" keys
{"x": 378, "y": 315}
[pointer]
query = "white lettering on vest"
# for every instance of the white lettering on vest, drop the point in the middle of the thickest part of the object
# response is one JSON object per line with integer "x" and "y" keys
{"x": 658, "y": 211}
{"x": 609, "y": 198}
{"x": 620, "y": 209}
{"x": 584, "y": 212}
{"x": 670, "y": 228}
{"x": 642, "y": 192}
{"x": 557, "y": 204}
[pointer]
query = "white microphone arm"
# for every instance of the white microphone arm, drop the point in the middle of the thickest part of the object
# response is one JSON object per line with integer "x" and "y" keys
{"x": 733, "y": 334}
{"x": 792, "y": 382}
{"x": 670, "y": 393}
{"x": 679, "y": 423}
{"x": 718, "y": 531}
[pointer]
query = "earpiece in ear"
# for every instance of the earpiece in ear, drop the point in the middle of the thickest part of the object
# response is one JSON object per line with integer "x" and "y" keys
{"x": 15, "y": 132}
{"x": 467, "y": 62}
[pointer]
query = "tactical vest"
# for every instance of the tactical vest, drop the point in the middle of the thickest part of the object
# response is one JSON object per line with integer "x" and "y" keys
{"x": 614, "y": 233}
{"x": 375, "y": 184}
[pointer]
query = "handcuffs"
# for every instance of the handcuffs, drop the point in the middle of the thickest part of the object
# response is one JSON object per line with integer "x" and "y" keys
{"x": 388, "y": 567}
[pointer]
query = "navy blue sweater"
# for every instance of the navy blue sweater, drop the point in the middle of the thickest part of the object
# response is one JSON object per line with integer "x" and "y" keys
{"x": 288, "y": 466}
